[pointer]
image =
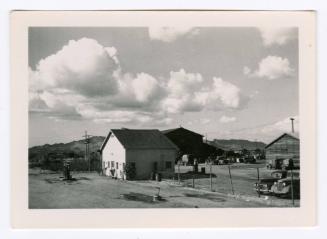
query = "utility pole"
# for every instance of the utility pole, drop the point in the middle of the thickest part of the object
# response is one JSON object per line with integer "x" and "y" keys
{"x": 292, "y": 121}
{"x": 87, "y": 148}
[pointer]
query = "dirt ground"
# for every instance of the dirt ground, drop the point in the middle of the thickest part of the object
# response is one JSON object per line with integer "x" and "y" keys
{"x": 243, "y": 178}
{"x": 90, "y": 190}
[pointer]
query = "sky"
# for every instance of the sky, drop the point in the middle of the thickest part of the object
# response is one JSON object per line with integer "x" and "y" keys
{"x": 222, "y": 82}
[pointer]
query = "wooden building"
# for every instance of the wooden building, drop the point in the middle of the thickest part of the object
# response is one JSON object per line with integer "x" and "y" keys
{"x": 286, "y": 146}
{"x": 145, "y": 151}
{"x": 190, "y": 143}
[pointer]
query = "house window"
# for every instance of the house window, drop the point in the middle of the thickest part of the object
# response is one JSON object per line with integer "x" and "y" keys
{"x": 112, "y": 164}
{"x": 168, "y": 165}
{"x": 116, "y": 165}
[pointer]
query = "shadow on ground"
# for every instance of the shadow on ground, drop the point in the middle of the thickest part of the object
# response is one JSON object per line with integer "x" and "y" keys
{"x": 206, "y": 196}
{"x": 141, "y": 198}
{"x": 190, "y": 175}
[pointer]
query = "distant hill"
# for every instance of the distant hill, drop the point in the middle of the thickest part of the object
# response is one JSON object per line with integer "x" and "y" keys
{"x": 76, "y": 149}
{"x": 61, "y": 150}
{"x": 236, "y": 144}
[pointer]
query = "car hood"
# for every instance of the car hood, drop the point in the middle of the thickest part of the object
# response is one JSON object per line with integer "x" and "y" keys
{"x": 267, "y": 180}
{"x": 288, "y": 180}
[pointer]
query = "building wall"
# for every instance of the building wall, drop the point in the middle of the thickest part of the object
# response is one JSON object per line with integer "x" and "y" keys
{"x": 113, "y": 158}
{"x": 145, "y": 159}
{"x": 286, "y": 147}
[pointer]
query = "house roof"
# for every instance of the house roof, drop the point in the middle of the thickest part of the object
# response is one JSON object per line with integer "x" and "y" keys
{"x": 180, "y": 128}
{"x": 293, "y": 135}
{"x": 141, "y": 139}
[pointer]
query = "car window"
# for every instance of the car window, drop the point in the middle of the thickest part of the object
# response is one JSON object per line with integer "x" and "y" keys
{"x": 295, "y": 174}
{"x": 277, "y": 174}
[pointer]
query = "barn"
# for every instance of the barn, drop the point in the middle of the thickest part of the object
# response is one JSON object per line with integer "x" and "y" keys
{"x": 190, "y": 142}
{"x": 286, "y": 146}
{"x": 136, "y": 153}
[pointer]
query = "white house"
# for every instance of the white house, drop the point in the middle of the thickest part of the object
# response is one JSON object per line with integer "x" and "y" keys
{"x": 144, "y": 150}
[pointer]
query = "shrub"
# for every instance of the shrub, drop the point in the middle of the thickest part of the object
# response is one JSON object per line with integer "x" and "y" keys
{"x": 130, "y": 171}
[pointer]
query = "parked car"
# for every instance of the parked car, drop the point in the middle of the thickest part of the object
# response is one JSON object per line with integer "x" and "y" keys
{"x": 291, "y": 164}
{"x": 221, "y": 160}
{"x": 264, "y": 185}
{"x": 275, "y": 164}
{"x": 249, "y": 159}
{"x": 283, "y": 187}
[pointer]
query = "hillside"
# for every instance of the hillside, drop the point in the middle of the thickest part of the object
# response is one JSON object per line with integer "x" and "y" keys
{"x": 236, "y": 144}
{"x": 61, "y": 150}
{"x": 76, "y": 149}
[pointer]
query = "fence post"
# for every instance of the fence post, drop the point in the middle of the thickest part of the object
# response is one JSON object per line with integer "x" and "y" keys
{"x": 292, "y": 190}
{"x": 179, "y": 177}
{"x": 258, "y": 181}
{"x": 210, "y": 176}
{"x": 193, "y": 183}
{"x": 231, "y": 180}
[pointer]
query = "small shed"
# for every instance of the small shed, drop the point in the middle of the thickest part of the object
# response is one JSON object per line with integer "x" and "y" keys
{"x": 142, "y": 150}
{"x": 286, "y": 146}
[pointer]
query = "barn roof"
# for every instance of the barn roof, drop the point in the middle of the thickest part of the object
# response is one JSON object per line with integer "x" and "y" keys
{"x": 293, "y": 135}
{"x": 141, "y": 139}
{"x": 180, "y": 128}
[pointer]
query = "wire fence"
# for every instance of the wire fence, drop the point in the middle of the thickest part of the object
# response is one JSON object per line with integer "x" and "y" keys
{"x": 241, "y": 180}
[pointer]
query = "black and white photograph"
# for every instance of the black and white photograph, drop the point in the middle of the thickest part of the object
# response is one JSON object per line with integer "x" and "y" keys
{"x": 163, "y": 117}
{"x": 159, "y": 117}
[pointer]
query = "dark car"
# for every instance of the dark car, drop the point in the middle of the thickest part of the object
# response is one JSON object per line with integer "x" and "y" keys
{"x": 249, "y": 159}
{"x": 222, "y": 160}
{"x": 265, "y": 184}
{"x": 291, "y": 164}
{"x": 283, "y": 187}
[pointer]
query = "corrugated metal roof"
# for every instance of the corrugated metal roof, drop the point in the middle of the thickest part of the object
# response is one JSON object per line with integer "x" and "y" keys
{"x": 141, "y": 139}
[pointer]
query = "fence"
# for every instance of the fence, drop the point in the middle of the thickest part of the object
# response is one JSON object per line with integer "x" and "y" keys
{"x": 76, "y": 164}
{"x": 235, "y": 180}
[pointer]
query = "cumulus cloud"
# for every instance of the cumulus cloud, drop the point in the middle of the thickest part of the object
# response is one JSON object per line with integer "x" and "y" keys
{"x": 84, "y": 80}
{"x": 227, "y": 119}
{"x": 146, "y": 87}
{"x": 82, "y": 66}
{"x": 169, "y": 34}
{"x": 191, "y": 92}
{"x": 278, "y": 36}
{"x": 271, "y": 67}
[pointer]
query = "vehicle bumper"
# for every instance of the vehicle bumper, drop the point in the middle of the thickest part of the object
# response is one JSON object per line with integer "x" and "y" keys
{"x": 261, "y": 189}
{"x": 283, "y": 191}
